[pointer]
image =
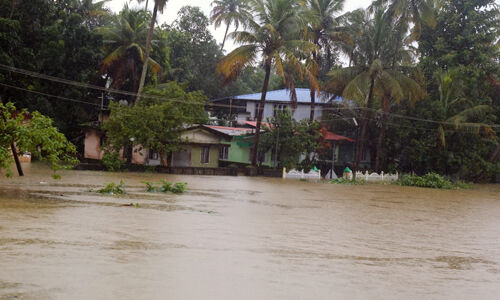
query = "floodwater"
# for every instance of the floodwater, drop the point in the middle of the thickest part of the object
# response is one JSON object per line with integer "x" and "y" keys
{"x": 244, "y": 238}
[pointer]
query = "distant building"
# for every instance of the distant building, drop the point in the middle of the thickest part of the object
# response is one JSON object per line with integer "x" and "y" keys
{"x": 243, "y": 108}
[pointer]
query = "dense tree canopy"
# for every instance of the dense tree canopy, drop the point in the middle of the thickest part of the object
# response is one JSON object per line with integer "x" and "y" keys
{"x": 421, "y": 77}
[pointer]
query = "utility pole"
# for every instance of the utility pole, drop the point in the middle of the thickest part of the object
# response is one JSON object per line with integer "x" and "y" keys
{"x": 276, "y": 148}
{"x": 333, "y": 160}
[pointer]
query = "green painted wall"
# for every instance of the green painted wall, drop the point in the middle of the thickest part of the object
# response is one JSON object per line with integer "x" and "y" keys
{"x": 196, "y": 156}
{"x": 239, "y": 153}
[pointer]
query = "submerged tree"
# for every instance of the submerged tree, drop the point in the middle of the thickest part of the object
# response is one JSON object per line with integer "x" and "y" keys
{"x": 155, "y": 122}
{"x": 21, "y": 132}
{"x": 289, "y": 139}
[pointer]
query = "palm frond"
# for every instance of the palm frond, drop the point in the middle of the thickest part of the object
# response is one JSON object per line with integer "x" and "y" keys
{"x": 232, "y": 64}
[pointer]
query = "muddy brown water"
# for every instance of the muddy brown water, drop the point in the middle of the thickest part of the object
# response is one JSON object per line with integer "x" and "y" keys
{"x": 244, "y": 238}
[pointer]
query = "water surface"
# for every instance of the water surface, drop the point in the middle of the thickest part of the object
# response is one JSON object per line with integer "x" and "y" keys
{"x": 244, "y": 238}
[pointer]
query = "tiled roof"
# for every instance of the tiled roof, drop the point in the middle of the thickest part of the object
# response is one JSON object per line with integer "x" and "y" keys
{"x": 330, "y": 136}
{"x": 303, "y": 96}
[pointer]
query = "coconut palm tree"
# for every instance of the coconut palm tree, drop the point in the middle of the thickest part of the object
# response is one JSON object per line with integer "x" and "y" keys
{"x": 125, "y": 39}
{"x": 159, "y": 6}
{"x": 274, "y": 36}
{"x": 412, "y": 11}
{"x": 456, "y": 110}
{"x": 321, "y": 27}
{"x": 230, "y": 12}
{"x": 377, "y": 56}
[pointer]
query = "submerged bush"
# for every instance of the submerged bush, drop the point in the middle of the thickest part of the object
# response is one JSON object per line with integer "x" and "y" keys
{"x": 112, "y": 161}
{"x": 165, "y": 186}
{"x": 179, "y": 188}
{"x": 429, "y": 180}
{"x": 113, "y": 189}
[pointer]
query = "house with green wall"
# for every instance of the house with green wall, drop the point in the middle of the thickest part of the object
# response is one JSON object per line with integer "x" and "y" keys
{"x": 236, "y": 148}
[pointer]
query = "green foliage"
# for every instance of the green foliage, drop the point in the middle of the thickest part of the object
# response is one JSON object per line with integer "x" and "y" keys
{"x": 152, "y": 123}
{"x": 291, "y": 138}
{"x": 179, "y": 188}
{"x": 54, "y": 38}
{"x": 113, "y": 188}
{"x": 429, "y": 180}
{"x": 33, "y": 133}
{"x": 463, "y": 185}
{"x": 165, "y": 186}
{"x": 112, "y": 161}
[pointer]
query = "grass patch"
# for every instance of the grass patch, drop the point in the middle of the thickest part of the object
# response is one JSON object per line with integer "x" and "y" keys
{"x": 165, "y": 186}
{"x": 113, "y": 188}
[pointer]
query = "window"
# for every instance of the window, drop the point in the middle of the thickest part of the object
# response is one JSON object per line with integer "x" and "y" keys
{"x": 279, "y": 108}
{"x": 224, "y": 152}
{"x": 205, "y": 154}
{"x": 261, "y": 156}
{"x": 153, "y": 155}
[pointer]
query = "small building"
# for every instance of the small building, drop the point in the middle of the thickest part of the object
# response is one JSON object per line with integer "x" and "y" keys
{"x": 200, "y": 149}
{"x": 236, "y": 148}
{"x": 243, "y": 108}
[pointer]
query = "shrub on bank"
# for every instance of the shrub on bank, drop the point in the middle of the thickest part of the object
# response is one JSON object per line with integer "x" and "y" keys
{"x": 432, "y": 180}
{"x": 112, "y": 161}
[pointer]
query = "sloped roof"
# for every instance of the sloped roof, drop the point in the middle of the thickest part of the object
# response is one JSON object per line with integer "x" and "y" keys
{"x": 330, "y": 136}
{"x": 254, "y": 124}
{"x": 232, "y": 131}
{"x": 303, "y": 96}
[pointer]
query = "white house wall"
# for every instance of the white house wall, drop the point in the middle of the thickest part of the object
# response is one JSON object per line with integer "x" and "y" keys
{"x": 302, "y": 111}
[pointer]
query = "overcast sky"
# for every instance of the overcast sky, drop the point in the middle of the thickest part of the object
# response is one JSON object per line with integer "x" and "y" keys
{"x": 173, "y": 6}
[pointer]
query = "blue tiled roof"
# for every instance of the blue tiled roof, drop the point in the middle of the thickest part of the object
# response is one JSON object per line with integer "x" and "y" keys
{"x": 303, "y": 96}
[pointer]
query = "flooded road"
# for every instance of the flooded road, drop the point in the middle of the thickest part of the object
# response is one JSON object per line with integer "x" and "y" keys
{"x": 244, "y": 238}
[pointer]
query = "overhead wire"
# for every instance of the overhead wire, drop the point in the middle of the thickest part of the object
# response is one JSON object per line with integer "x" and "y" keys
{"x": 211, "y": 104}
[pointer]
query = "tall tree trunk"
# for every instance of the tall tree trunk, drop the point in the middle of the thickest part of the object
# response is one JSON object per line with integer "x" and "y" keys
{"x": 16, "y": 159}
{"x": 12, "y": 7}
{"x": 378, "y": 159}
{"x": 495, "y": 153}
{"x": 313, "y": 104}
{"x": 146, "y": 7}
{"x": 146, "y": 54}
{"x": 312, "y": 91}
{"x": 255, "y": 148}
{"x": 225, "y": 35}
{"x": 360, "y": 147}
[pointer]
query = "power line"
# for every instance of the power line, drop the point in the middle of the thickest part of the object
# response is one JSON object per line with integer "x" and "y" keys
{"x": 100, "y": 88}
{"x": 48, "y": 95}
{"x": 122, "y": 92}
